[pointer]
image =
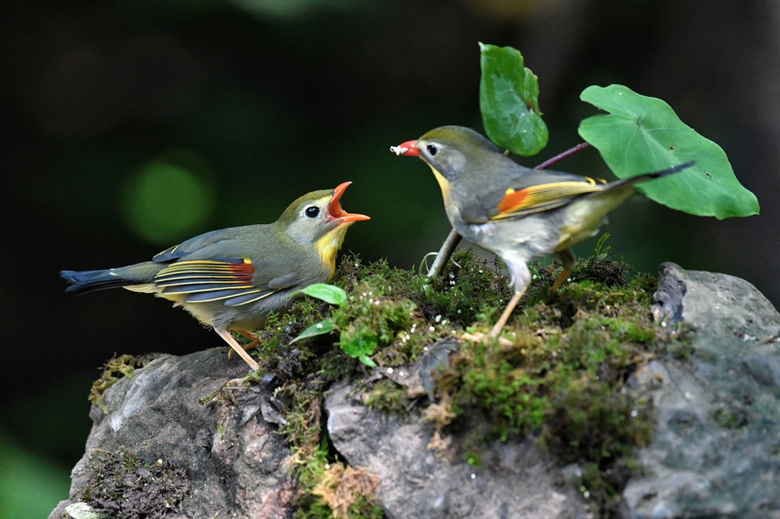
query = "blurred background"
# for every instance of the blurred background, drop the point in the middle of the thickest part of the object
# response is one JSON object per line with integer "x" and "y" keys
{"x": 128, "y": 125}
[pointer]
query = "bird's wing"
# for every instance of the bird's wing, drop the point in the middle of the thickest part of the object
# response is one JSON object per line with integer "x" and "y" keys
{"x": 534, "y": 191}
{"x": 221, "y": 242}
{"x": 203, "y": 281}
{"x": 526, "y": 191}
{"x": 542, "y": 197}
{"x": 215, "y": 267}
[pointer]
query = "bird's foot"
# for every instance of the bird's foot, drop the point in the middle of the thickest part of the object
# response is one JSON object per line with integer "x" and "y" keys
{"x": 254, "y": 341}
{"x": 236, "y": 383}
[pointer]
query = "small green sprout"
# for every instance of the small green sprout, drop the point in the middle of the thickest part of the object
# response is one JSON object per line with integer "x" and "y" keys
{"x": 360, "y": 346}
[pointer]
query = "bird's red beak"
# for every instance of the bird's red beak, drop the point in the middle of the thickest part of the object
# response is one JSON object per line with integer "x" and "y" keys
{"x": 408, "y": 148}
{"x": 337, "y": 213}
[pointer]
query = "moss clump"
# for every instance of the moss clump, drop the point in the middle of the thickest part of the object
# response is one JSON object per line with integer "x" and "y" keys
{"x": 348, "y": 491}
{"x": 329, "y": 489}
{"x": 380, "y": 316}
{"x": 401, "y": 312}
{"x": 114, "y": 370}
{"x": 126, "y": 487}
{"x": 469, "y": 289}
{"x": 560, "y": 373}
{"x": 386, "y": 395}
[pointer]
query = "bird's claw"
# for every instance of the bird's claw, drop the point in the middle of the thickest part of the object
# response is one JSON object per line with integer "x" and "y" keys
{"x": 235, "y": 383}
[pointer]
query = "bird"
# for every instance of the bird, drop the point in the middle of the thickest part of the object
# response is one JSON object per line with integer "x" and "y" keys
{"x": 515, "y": 212}
{"x": 230, "y": 279}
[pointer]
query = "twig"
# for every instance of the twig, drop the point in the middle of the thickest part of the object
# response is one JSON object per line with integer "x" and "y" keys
{"x": 444, "y": 254}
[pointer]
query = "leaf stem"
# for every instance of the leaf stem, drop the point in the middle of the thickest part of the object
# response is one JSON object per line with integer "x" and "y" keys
{"x": 566, "y": 154}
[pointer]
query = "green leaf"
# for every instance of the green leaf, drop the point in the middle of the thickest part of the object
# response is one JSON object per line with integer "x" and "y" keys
{"x": 321, "y": 328}
{"x": 328, "y": 293}
{"x": 509, "y": 101}
{"x": 359, "y": 346}
{"x": 643, "y": 134}
{"x": 365, "y": 359}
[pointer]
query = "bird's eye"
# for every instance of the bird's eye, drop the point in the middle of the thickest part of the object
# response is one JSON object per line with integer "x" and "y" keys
{"x": 312, "y": 211}
{"x": 432, "y": 149}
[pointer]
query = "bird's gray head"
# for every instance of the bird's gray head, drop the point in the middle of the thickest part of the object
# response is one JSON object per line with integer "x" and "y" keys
{"x": 451, "y": 151}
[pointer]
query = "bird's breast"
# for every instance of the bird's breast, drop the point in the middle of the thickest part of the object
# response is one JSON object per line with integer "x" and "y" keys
{"x": 526, "y": 237}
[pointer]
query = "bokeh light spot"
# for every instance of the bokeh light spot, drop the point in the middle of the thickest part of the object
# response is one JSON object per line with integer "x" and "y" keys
{"x": 166, "y": 201}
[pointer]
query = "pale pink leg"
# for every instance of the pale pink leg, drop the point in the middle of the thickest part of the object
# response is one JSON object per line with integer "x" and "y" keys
{"x": 252, "y": 337}
{"x": 251, "y": 346}
{"x": 568, "y": 261}
{"x": 505, "y": 316}
{"x": 237, "y": 348}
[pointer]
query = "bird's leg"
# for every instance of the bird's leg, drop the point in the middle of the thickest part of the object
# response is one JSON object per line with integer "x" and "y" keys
{"x": 568, "y": 260}
{"x": 255, "y": 340}
{"x": 521, "y": 278}
{"x": 233, "y": 343}
{"x": 505, "y": 316}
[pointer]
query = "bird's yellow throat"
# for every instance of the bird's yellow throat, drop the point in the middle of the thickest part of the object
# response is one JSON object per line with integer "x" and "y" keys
{"x": 329, "y": 245}
{"x": 444, "y": 184}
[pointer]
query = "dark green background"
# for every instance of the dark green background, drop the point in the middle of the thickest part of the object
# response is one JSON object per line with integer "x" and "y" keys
{"x": 246, "y": 105}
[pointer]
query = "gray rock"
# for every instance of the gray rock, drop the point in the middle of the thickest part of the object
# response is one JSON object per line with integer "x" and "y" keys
{"x": 235, "y": 463}
{"x": 715, "y": 450}
{"x": 515, "y": 480}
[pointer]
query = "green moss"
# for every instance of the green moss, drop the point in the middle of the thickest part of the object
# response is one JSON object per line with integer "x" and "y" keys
{"x": 731, "y": 417}
{"x": 331, "y": 490}
{"x": 468, "y": 289}
{"x": 382, "y": 311}
{"x": 386, "y": 395}
{"x": 559, "y": 373}
{"x": 125, "y": 486}
{"x": 113, "y": 371}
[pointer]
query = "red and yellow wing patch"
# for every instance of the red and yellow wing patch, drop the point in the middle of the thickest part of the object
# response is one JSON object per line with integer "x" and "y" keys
{"x": 543, "y": 197}
{"x": 203, "y": 281}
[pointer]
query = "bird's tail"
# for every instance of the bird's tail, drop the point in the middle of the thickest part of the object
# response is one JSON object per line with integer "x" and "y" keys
{"x": 129, "y": 277}
{"x": 650, "y": 176}
{"x": 89, "y": 280}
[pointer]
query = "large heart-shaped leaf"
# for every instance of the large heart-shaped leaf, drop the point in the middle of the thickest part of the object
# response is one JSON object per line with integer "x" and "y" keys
{"x": 643, "y": 134}
{"x": 509, "y": 101}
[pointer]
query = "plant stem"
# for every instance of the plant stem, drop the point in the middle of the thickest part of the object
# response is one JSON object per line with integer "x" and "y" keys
{"x": 566, "y": 154}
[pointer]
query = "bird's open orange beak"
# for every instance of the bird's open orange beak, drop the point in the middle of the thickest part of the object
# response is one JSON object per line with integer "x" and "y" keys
{"x": 336, "y": 212}
{"x": 408, "y": 148}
